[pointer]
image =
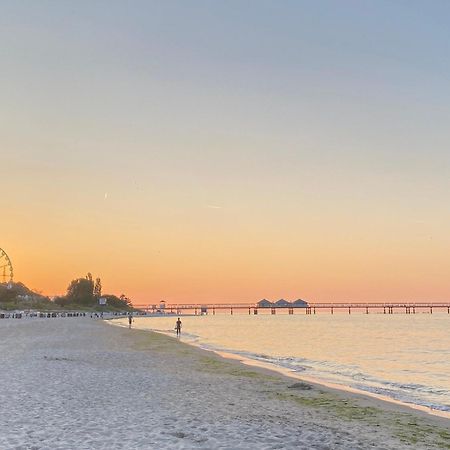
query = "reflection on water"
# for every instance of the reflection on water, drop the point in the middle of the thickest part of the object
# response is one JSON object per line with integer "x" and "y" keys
{"x": 405, "y": 357}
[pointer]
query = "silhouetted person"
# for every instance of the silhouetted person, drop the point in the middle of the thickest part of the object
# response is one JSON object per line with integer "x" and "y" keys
{"x": 178, "y": 327}
{"x": 130, "y": 320}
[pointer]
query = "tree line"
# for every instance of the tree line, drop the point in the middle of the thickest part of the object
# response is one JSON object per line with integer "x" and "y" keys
{"x": 81, "y": 292}
{"x": 87, "y": 292}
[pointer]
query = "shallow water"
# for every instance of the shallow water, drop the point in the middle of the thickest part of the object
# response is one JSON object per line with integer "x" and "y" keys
{"x": 404, "y": 357}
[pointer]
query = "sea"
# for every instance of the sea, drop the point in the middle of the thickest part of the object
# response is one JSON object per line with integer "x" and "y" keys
{"x": 402, "y": 357}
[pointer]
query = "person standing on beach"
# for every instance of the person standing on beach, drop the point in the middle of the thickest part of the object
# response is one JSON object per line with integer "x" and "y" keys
{"x": 178, "y": 327}
{"x": 130, "y": 320}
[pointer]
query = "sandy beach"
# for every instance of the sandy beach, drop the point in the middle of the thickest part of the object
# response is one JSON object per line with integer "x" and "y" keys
{"x": 83, "y": 384}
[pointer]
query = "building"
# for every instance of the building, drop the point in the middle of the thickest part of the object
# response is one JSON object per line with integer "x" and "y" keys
{"x": 282, "y": 303}
{"x": 264, "y": 304}
{"x": 300, "y": 303}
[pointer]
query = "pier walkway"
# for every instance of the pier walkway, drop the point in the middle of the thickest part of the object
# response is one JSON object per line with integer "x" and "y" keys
{"x": 311, "y": 308}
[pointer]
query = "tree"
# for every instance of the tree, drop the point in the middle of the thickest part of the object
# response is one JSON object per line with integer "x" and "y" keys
{"x": 61, "y": 301}
{"x": 98, "y": 288}
{"x": 113, "y": 300}
{"x": 81, "y": 291}
{"x": 10, "y": 292}
{"x": 125, "y": 300}
{"x": 86, "y": 292}
{"x": 7, "y": 295}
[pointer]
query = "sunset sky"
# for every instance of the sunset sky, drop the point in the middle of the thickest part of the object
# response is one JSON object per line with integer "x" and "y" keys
{"x": 199, "y": 151}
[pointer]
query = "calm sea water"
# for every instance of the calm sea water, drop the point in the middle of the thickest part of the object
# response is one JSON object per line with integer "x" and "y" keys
{"x": 404, "y": 357}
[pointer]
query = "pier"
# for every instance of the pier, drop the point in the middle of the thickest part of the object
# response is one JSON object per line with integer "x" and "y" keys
{"x": 310, "y": 309}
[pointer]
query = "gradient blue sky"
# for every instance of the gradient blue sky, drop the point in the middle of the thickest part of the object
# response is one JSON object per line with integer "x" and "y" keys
{"x": 228, "y": 150}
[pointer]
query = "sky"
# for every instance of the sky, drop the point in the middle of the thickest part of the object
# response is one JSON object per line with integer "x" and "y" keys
{"x": 197, "y": 151}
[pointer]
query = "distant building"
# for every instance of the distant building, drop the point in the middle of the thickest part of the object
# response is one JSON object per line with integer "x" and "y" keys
{"x": 264, "y": 304}
{"x": 300, "y": 303}
{"x": 282, "y": 303}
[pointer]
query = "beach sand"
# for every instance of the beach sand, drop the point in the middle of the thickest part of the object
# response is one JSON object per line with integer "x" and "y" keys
{"x": 78, "y": 383}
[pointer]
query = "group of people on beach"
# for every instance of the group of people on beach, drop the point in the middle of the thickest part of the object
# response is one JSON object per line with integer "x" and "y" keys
{"x": 178, "y": 324}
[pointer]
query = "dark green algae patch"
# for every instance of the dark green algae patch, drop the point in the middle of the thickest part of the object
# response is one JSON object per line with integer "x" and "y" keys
{"x": 212, "y": 364}
{"x": 406, "y": 427}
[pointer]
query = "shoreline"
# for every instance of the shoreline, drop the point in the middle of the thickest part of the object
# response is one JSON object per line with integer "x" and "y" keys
{"x": 387, "y": 401}
{"x": 384, "y": 401}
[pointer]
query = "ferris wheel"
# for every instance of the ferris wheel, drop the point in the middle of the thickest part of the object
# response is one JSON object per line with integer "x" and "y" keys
{"x": 6, "y": 268}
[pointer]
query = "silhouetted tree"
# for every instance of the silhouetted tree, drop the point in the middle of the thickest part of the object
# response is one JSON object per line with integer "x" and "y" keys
{"x": 10, "y": 292}
{"x": 98, "y": 288}
{"x": 81, "y": 291}
{"x": 86, "y": 292}
{"x": 117, "y": 302}
{"x": 61, "y": 301}
{"x": 125, "y": 300}
{"x": 6, "y": 294}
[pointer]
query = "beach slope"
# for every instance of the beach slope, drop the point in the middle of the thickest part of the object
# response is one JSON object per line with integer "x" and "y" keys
{"x": 84, "y": 384}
